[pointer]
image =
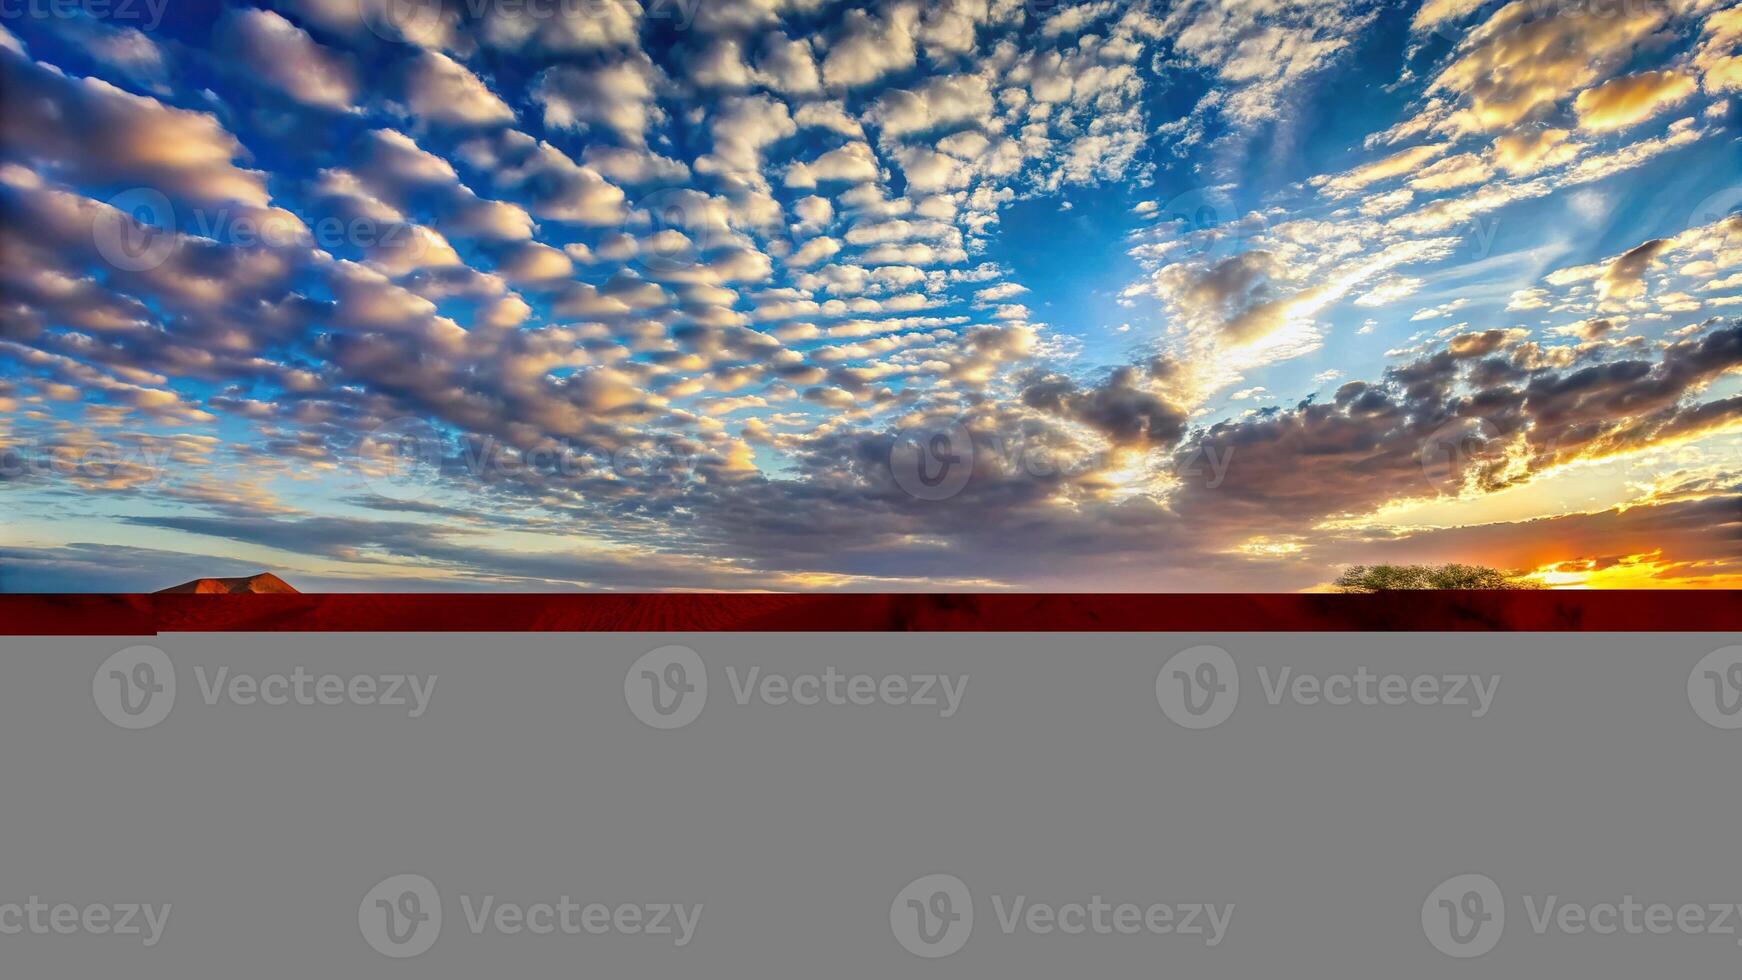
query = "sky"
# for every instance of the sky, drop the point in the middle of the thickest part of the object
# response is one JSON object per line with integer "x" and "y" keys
{"x": 805, "y": 295}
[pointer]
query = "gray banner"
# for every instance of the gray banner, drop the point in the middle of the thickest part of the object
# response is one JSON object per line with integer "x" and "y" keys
{"x": 1229, "y": 805}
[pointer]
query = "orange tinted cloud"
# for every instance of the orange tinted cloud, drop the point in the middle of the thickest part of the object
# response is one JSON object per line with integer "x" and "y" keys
{"x": 1631, "y": 99}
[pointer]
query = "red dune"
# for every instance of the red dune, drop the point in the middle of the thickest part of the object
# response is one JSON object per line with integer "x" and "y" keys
{"x": 265, "y": 582}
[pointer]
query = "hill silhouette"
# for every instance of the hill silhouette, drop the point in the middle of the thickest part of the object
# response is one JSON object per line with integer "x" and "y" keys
{"x": 265, "y": 582}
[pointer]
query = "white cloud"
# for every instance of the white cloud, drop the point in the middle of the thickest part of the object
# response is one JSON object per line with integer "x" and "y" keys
{"x": 814, "y": 251}
{"x": 283, "y": 56}
{"x": 441, "y": 90}
{"x": 618, "y": 96}
{"x": 853, "y": 162}
{"x": 939, "y": 102}
{"x": 869, "y": 47}
{"x": 788, "y": 67}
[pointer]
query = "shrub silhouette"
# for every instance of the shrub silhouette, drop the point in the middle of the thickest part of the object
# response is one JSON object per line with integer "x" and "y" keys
{"x": 1392, "y": 578}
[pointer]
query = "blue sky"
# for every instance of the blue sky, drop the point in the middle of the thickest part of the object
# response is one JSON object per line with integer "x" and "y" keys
{"x": 591, "y": 294}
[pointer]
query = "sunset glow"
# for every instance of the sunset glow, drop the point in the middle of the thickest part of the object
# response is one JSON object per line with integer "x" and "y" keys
{"x": 802, "y": 295}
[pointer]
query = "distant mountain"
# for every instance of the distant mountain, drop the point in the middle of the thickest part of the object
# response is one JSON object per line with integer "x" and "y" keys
{"x": 265, "y": 582}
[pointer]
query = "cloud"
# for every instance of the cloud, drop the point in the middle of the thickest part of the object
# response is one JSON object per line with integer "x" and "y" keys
{"x": 814, "y": 251}
{"x": 831, "y": 115}
{"x": 1436, "y": 12}
{"x": 1625, "y": 277}
{"x": 635, "y": 166}
{"x": 768, "y": 241}
{"x": 1524, "y": 153}
{"x": 1395, "y": 165}
{"x": 1127, "y": 408}
{"x": 1630, "y": 100}
{"x": 1676, "y": 537}
{"x": 1460, "y": 170}
{"x": 1719, "y": 56}
{"x": 283, "y": 56}
{"x": 869, "y": 46}
{"x": 742, "y": 127}
{"x": 618, "y": 96}
{"x": 601, "y": 24}
{"x": 1375, "y": 443}
{"x": 99, "y": 567}
{"x": 939, "y": 102}
{"x": 721, "y": 66}
{"x": 1389, "y": 290}
{"x": 1237, "y": 295}
{"x": 927, "y": 171}
{"x": 556, "y": 186}
{"x": 852, "y": 162}
{"x": 788, "y": 66}
{"x": 1524, "y": 61}
{"x": 533, "y": 262}
{"x": 440, "y": 90}
{"x": 1260, "y": 54}
{"x": 88, "y": 130}
{"x": 128, "y": 50}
